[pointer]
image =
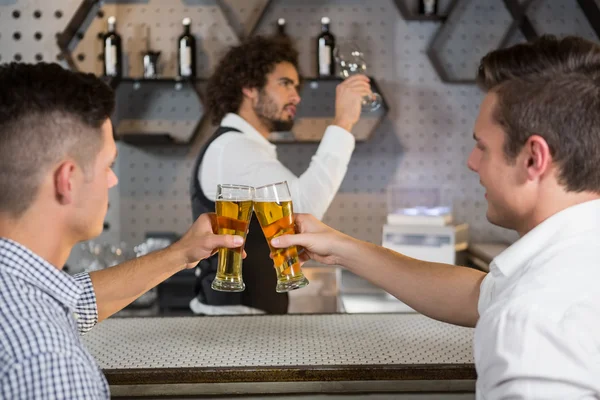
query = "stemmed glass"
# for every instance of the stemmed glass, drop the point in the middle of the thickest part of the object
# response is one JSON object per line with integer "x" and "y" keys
{"x": 351, "y": 61}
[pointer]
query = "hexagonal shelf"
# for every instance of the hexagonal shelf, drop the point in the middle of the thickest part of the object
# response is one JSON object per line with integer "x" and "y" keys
{"x": 149, "y": 111}
{"x": 451, "y": 67}
{"x": 157, "y": 111}
{"x": 317, "y": 111}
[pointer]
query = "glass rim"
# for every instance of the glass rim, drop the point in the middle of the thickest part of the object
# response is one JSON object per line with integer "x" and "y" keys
{"x": 272, "y": 184}
{"x": 233, "y": 186}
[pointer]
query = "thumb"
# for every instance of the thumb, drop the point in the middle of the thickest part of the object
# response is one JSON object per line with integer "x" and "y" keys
{"x": 229, "y": 241}
{"x": 299, "y": 239}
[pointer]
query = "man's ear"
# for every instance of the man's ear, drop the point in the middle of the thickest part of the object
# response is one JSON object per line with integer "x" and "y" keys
{"x": 251, "y": 93}
{"x": 538, "y": 157}
{"x": 64, "y": 181}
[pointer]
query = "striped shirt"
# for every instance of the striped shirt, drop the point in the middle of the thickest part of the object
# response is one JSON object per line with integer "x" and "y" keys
{"x": 42, "y": 313}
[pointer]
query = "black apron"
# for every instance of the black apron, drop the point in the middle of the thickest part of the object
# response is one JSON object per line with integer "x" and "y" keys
{"x": 257, "y": 270}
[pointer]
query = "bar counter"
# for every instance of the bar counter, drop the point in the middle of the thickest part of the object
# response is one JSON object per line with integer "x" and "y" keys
{"x": 288, "y": 354}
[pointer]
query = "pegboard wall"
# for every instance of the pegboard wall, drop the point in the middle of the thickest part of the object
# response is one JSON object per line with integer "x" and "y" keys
{"x": 425, "y": 138}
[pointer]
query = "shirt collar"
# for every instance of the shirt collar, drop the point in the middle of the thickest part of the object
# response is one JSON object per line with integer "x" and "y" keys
{"x": 235, "y": 121}
{"x": 21, "y": 262}
{"x": 570, "y": 222}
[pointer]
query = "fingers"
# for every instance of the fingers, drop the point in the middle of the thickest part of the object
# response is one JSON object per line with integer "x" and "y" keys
{"x": 213, "y": 222}
{"x": 354, "y": 87}
{"x": 304, "y": 257}
{"x": 355, "y": 78}
{"x": 358, "y": 87}
{"x": 300, "y": 239}
{"x": 307, "y": 223}
{"x": 228, "y": 241}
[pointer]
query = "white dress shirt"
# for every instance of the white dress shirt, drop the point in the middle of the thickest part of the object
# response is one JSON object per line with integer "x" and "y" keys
{"x": 538, "y": 335}
{"x": 250, "y": 159}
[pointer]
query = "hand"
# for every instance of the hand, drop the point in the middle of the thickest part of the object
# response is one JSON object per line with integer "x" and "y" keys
{"x": 348, "y": 100}
{"x": 201, "y": 240}
{"x": 320, "y": 242}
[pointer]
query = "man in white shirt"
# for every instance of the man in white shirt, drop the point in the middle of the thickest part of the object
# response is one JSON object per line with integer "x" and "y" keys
{"x": 253, "y": 92}
{"x": 537, "y": 312}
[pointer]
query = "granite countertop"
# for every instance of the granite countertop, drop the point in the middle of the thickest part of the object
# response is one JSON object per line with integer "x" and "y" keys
{"x": 337, "y": 352}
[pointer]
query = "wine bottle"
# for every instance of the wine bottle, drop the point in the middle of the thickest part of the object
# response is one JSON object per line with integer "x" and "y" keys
{"x": 325, "y": 45}
{"x": 186, "y": 54}
{"x": 281, "y": 27}
{"x": 112, "y": 50}
{"x": 428, "y": 7}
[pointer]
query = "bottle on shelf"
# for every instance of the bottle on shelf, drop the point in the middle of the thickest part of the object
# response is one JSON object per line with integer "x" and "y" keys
{"x": 325, "y": 46}
{"x": 112, "y": 50}
{"x": 281, "y": 27}
{"x": 186, "y": 54}
{"x": 428, "y": 7}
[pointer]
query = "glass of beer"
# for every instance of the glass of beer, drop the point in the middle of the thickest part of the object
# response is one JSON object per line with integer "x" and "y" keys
{"x": 233, "y": 206}
{"x": 273, "y": 208}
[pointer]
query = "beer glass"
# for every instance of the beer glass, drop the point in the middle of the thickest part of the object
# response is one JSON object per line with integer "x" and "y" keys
{"x": 233, "y": 206}
{"x": 273, "y": 208}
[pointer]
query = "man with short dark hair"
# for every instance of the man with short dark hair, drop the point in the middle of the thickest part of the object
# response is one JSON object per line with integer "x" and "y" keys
{"x": 56, "y": 156}
{"x": 537, "y": 154}
{"x": 253, "y": 92}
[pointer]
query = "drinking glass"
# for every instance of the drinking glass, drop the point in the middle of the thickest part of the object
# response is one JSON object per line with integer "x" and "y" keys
{"x": 233, "y": 206}
{"x": 274, "y": 210}
{"x": 351, "y": 61}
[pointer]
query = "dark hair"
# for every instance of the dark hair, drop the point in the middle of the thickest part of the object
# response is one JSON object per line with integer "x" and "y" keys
{"x": 550, "y": 87}
{"x": 46, "y": 113}
{"x": 245, "y": 66}
{"x": 545, "y": 56}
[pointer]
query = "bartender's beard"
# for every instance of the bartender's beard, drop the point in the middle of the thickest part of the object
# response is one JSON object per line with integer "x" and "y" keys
{"x": 269, "y": 113}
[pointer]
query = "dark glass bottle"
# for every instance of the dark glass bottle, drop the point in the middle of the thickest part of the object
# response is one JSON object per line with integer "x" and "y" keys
{"x": 113, "y": 65}
{"x": 325, "y": 45}
{"x": 186, "y": 54}
{"x": 428, "y": 7}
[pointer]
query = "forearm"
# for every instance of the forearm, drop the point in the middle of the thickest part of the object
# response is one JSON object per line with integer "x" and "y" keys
{"x": 441, "y": 291}
{"x": 314, "y": 190}
{"x": 118, "y": 286}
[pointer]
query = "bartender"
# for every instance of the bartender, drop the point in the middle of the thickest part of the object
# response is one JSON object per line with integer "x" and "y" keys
{"x": 253, "y": 92}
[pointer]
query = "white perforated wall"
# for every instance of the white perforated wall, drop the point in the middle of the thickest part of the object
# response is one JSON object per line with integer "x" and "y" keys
{"x": 424, "y": 139}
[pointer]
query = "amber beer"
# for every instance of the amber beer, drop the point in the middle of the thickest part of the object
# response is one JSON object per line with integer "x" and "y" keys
{"x": 274, "y": 210}
{"x": 233, "y": 218}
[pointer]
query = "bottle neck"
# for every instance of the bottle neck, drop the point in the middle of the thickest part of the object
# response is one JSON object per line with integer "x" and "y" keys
{"x": 186, "y": 29}
{"x": 111, "y": 28}
{"x": 324, "y": 27}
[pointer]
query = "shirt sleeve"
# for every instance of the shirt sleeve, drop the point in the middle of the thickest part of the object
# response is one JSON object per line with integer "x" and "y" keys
{"x": 86, "y": 311}
{"x": 51, "y": 376}
{"x": 527, "y": 354}
{"x": 244, "y": 162}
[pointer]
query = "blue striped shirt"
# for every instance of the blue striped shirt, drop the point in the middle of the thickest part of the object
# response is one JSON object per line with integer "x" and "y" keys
{"x": 43, "y": 311}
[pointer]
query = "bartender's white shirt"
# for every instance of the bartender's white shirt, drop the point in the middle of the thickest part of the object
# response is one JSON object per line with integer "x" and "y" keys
{"x": 538, "y": 335}
{"x": 250, "y": 159}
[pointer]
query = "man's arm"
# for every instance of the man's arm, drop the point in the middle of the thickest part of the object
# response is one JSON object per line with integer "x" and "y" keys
{"x": 441, "y": 291}
{"x": 118, "y": 286}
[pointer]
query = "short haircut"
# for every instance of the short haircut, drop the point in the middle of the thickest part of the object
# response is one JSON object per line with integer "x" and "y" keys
{"x": 47, "y": 113}
{"x": 551, "y": 88}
